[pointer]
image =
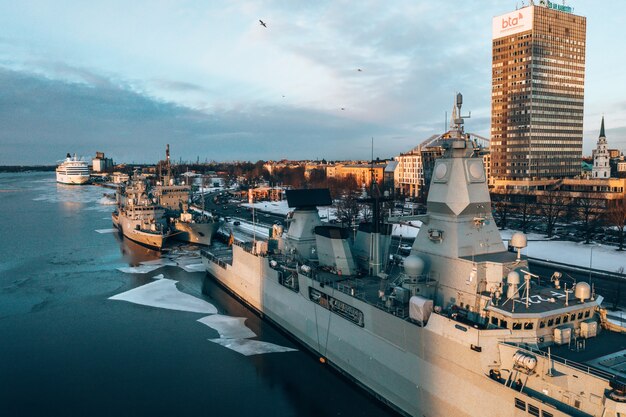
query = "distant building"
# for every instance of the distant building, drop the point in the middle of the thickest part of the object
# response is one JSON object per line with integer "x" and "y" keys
{"x": 538, "y": 73}
{"x": 266, "y": 194}
{"x": 601, "y": 157}
{"x": 101, "y": 164}
{"x": 362, "y": 173}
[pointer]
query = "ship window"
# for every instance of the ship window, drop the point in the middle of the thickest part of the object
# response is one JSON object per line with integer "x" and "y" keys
{"x": 528, "y": 325}
{"x": 572, "y": 317}
{"x": 542, "y": 324}
{"x": 557, "y": 321}
{"x": 504, "y": 324}
{"x": 520, "y": 404}
{"x": 494, "y": 320}
{"x": 586, "y": 313}
{"x": 533, "y": 410}
{"x": 517, "y": 325}
{"x": 550, "y": 322}
{"x": 580, "y": 315}
{"x": 565, "y": 318}
{"x": 546, "y": 414}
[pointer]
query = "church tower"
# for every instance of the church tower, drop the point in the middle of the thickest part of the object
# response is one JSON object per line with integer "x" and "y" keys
{"x": 601, "y": 166}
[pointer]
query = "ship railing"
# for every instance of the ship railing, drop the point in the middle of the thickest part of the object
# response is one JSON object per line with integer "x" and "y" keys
{"x": 213, "y": 258}
{"x": 567, "y": 362}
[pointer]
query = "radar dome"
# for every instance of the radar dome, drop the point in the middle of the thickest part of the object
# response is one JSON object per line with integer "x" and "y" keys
{"x": 518, "y": 240}
{"x": 413, "y": 265}
{"x": 513, "y": 278}
{"x": 582, "y": 291}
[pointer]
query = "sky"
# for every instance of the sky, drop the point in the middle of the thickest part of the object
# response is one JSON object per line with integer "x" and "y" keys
{"x": 126, "y": 78}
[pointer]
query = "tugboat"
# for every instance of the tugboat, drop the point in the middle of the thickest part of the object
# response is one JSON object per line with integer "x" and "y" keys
{"x": 138, "y": 218}
{"x": 464, "y": 328}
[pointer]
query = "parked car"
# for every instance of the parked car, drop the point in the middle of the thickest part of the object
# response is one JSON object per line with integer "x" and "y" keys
{"x": 236, "y": 222}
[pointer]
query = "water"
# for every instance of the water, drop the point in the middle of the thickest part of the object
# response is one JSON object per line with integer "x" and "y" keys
{"x": 67, "y": 350}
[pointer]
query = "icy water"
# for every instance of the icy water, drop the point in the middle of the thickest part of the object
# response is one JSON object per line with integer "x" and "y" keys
{"x": 91, "y": 325}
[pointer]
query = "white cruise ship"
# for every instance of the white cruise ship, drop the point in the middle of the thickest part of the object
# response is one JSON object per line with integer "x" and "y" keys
{"x": 72, "y": 171}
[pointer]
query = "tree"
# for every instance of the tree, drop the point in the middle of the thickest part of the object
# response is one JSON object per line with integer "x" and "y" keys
{"x": 551, "y": 210}
{"x": 501, "y": 207}
{"x": 587, "y": 213}
{"x": 616, "y": 217}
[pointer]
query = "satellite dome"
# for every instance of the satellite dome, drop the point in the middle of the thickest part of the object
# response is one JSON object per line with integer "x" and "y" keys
{"x": 582, "y": 291}
{"x": 513, "y": 278}
{"x": 413, "y": 265}
{"x": 518, "y": 240}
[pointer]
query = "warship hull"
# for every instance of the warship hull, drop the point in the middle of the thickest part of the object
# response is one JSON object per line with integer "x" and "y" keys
{"x": 198, "y": 233}
{"x": 128, "y": 228}
{"x": 418, "y": 371}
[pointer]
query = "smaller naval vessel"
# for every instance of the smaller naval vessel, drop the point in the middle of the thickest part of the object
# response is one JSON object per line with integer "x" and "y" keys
{"x": 463, "y": 328}
{"x": 138, "y": 217}
{"x": 186, "y": 225}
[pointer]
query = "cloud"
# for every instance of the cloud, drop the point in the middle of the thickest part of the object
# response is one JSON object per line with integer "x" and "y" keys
{"x": 44, "y": 118}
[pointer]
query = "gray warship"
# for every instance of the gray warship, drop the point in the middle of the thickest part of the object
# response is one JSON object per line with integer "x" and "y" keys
{"x": 186, "y": 225}
{"x": 463, "y": 328}
{"x": 137, "y": 216}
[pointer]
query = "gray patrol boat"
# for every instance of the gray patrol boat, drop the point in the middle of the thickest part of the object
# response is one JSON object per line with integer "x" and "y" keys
{"x": 464, "y": 328}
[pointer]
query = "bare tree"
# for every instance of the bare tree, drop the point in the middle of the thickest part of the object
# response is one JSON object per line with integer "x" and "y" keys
{"x": 616, "y": 217}
{"x": 501, "y": 207}
{"x": 551, "y": 210}
{"x": 523, "y": 205}
{"x": 588, "y": 215}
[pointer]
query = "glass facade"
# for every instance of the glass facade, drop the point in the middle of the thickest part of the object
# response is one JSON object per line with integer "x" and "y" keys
{"x": 538, "y": 81}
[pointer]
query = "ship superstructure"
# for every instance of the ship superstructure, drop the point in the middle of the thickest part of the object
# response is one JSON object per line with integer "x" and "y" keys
{"x": 186, "y": 225}
{"x": 72, "y": 171}
{"x": 138, "y": 217}
{"x": 463, "y": 328}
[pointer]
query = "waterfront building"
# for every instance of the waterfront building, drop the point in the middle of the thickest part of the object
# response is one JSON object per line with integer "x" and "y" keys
{"x": 601, "y": 165}
{"x": 538, "y": 72}
{"x": 101, "y": 164}
{"x": 362, "y": 173}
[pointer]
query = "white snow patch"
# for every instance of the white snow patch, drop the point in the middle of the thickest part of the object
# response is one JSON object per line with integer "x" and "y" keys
{"x": 228, "y": 327}
{"x": 410, "y": 229}
{"x": 164, "y": 294}
{"x": 160, "y": 276}
{"x": 106, "y": 230}
{"x": 249, "y": 347}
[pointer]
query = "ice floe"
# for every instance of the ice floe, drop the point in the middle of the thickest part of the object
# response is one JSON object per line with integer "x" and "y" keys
{"x": 249, "y": 347}
{"x": 160, "y": 276}
{"x": 141, "y": 269}
{"x": 194, "y": 267}
{"x": 228, "y": 327}
{"x": 163, "y": 293}
{"x": 106, "y": 230}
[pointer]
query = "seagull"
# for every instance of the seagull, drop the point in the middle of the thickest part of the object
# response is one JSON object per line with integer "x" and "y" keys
{"x": 343, "y": 108}
{"x": 359, "y": 70}
{"x": 262, "y": 23}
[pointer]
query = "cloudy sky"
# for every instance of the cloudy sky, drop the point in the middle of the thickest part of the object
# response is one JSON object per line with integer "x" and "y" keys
{"x": 128, "y": 77}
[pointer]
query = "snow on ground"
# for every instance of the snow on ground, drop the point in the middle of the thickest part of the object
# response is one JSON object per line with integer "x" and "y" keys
{"x": 596, "y": 256}
{"x": 249, "y": 347}
{"x": 106, "y": 230}
{"x": 164, "y": 294}
{"x": 228, "y": 327}
{"x": 405, "y": 230}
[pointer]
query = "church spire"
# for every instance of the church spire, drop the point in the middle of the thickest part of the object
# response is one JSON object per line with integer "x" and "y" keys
{"x": 602, "y": 135}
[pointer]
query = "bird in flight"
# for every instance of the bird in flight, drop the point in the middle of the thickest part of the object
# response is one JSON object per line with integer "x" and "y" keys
{"x": 262, "y": 23}
{"x": 359, "y": 70}
{"x": 343, "y": 108}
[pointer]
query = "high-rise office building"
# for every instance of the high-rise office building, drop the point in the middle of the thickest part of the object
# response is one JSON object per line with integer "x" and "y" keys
{"x": 538, "y": 80}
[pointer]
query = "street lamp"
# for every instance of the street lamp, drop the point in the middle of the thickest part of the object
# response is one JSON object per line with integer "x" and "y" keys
{"x": 595, "y": 245}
